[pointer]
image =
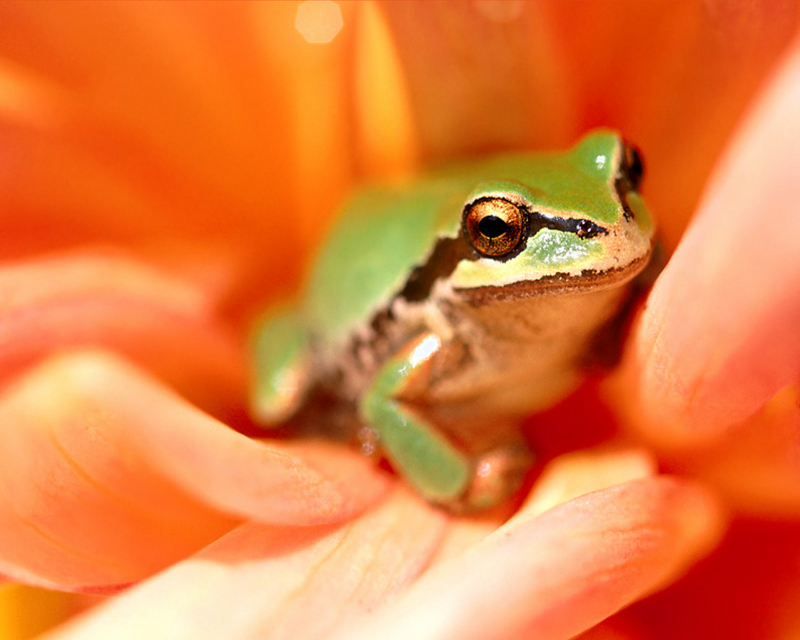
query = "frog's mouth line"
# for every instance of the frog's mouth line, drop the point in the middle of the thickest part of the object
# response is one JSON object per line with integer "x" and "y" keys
{"x": 588, "y": 280}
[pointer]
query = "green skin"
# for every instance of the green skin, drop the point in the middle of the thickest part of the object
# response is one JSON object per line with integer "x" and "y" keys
{"x": 441, "y": 350}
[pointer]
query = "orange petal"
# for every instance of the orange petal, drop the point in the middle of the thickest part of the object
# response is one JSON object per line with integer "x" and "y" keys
{"x": 135, "y": 123}
{"x": 719, "y": 335}
{"x": 757, "y": 466}
{"x": 173, "y": 98}
{"x": 747, "y": 588}
{"x": 108, "y": 476}
{"x": 481, "y": 75}
{"x": 611, "y": 631}
{"x": 104, "y": 299}
{"x": 257, "y": 582}
{"x": 26, "y": 612}
{"x": 558, "y": 574}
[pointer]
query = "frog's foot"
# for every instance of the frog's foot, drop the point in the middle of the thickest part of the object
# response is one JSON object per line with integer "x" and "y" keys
{"x": 496, "y": 475}
{"x": 416, "y": 449}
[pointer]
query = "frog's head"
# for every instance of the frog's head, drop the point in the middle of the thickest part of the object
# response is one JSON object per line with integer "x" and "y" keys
{"x": 571, "y": 220}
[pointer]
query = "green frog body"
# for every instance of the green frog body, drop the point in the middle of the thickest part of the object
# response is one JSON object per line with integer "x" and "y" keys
{"x": 442, "y": 311}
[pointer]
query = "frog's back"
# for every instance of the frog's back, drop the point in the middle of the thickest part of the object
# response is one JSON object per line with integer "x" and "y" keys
{"x": 383, "y": 233}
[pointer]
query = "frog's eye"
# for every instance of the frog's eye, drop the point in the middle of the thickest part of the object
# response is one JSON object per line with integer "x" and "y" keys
{"x": 494, "y": 226}
{"x": 632, "y": 166}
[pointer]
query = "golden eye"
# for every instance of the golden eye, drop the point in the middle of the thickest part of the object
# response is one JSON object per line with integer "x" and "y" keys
{"x": 494, "y": 226}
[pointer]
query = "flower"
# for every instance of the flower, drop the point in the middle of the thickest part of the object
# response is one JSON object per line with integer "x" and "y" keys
{"x": 166, "y": 168}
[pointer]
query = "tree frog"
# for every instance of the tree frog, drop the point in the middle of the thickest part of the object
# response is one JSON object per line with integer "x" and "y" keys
{"x": 443, "y": 310}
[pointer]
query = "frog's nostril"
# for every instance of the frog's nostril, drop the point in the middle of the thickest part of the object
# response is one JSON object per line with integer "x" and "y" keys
{"x": 586, "y": 229}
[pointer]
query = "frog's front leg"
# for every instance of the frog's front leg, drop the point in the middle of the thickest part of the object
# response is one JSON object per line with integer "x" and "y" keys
{"x": 281, "y": 374}
{"x": 418, "y": 450}
{"x": 426, "y": 459}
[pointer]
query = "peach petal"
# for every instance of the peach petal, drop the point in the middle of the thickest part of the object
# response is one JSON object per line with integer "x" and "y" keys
{"x": 575, "y": 474}
{"x": 108, "y": 476}
{"x": 557, "y": 574}
{"x": 256, "y": 582}
{"x": 564, "y": 478}
{"x": 465, "y": 534}
{"x": 80, "y": 512}
{"x": 719, "y": 335}
{"x": 92, "y": 271}
{"x": 104, "y": 299}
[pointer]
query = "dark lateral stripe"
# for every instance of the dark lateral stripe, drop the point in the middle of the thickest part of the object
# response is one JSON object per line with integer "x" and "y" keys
{"x": 443, "y": 260}
{"x": 448, "y": 252}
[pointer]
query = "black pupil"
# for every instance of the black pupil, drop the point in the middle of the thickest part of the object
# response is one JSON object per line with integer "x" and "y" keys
{"x": 492, "y": 226}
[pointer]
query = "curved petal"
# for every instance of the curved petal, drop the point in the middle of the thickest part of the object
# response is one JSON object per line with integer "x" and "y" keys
{"x": 264, "y": 580}
{"x": 719, "y": 334}
{"x": 108, "y": 476}
{"x": 256, "y": 582}
{"x": 575, "y": 474}
{"x": 555, "y": 575}
{"x": 104, "y": 299}
{"x": 566, "y": 477}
